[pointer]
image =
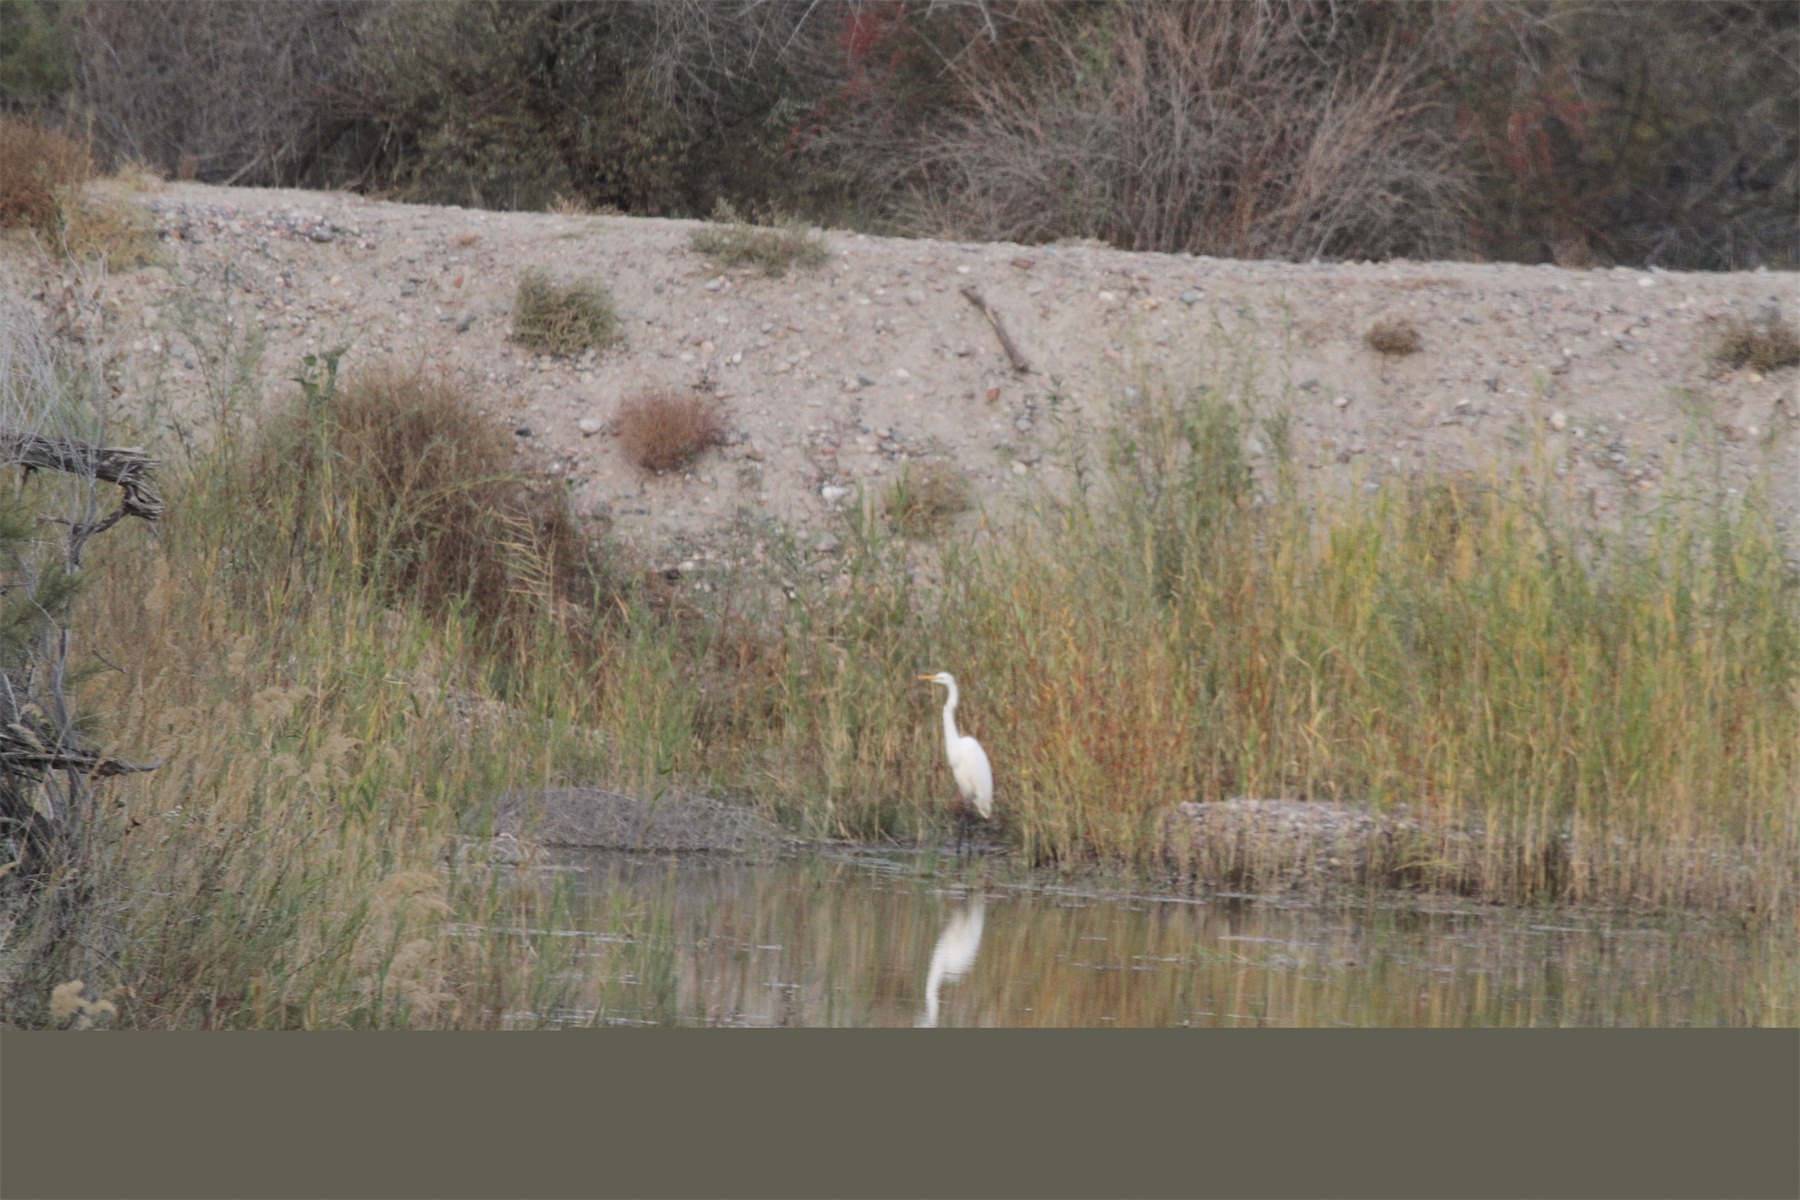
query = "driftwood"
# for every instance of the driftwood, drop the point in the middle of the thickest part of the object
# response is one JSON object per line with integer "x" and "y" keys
{"x": 1018, "y": 360}
{"x": 25, "y": 754}
{"x": 127, "y": 466}
{"x": 33, "y": 743}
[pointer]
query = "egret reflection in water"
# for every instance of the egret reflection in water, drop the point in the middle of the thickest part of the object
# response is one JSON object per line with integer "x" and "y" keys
{"x": 955, "y": 953}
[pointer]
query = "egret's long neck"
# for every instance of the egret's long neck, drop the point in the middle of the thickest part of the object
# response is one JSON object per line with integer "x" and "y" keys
{"x": 950, "y": 734}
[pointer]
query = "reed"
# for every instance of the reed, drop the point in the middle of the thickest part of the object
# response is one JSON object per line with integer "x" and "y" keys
{"x": 1571, "y": 715}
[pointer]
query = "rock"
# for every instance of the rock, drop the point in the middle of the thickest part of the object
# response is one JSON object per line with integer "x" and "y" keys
{"x": 1023, "y": 425}
{"x": 589, "y": 426}
{"x": 1341, "y": 402}
{"x": 1107, "y": 298}
{"x": 831, "y": 494}
{"x": 828, "y": 543}
{"x": 1559, "y": 420}
{"x": 865, "y": 381}
{"x": 1019, "y": 468}
{"x": 464, "y": 322}
{"x": 523, "y": 431}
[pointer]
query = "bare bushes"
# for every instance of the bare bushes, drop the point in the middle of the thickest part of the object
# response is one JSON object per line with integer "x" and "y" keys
{"x": 1613, "y": 131}
{"x": 397, "y": 472}
{"x": 1248, "y": 129}
{"x": 242, "y": 89}
{"x": 661, "y": 429}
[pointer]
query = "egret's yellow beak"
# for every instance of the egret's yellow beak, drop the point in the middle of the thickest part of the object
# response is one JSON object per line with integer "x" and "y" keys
{"x": 927, "y": 679}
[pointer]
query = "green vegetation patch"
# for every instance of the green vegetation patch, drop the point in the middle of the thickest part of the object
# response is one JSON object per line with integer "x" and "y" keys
{"x": 926, "y": 498}
{"x": 734, "y": 242}
{"x": 563, "y": 318}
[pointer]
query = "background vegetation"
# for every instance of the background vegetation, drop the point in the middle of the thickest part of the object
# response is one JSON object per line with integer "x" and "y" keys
{"x": 1576, "y": 131}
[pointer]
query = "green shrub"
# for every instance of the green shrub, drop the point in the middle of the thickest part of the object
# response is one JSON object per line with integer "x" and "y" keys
{"x": 563, "y": 318}
{"x": 926, "y": 498}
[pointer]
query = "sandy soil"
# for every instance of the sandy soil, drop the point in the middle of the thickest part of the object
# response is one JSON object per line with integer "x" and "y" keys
{"x": 834, "y": 377}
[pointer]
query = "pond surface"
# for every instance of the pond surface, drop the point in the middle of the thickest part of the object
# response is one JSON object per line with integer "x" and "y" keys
{"x": 899, "y": 940}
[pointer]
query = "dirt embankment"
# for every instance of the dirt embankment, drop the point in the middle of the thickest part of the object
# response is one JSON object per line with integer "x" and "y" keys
{"x": 835, "y": 377}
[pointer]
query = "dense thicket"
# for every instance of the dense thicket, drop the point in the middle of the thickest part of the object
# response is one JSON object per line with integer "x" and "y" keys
{"x": 1582, "y": 131}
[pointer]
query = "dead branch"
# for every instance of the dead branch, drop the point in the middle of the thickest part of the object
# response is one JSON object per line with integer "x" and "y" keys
{"x": 127, "y": 466}
{"x": 24, "y": 754}
{"x": 1019, "y": 363}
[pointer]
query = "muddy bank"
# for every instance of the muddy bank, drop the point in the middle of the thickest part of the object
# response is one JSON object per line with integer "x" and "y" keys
{"x": 595, "y": 819}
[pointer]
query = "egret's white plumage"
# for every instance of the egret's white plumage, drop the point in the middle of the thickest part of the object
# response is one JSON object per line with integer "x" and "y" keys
{"x": 968, "y": 761}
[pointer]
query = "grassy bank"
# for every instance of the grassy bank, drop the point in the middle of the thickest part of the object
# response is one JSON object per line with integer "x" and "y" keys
{"x": 356, "y": 626}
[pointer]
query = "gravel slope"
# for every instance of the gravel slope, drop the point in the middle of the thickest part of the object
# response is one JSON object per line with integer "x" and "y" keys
{"x": 835, "y": 376}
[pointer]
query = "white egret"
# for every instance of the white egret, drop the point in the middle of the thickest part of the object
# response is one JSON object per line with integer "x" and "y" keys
{"x": 968, "y": 761}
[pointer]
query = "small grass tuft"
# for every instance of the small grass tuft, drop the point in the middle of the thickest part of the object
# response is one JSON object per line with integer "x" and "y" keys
{"x": 1766, "y": 343}
{"x": 112, "y": 227}
{"x": 734, "y": 242}
{"x": 1394, "y": 336}
{"x": 926, "y": 498}
{"x": 661, "y": 428}
{"x": 39, "y": 169}
{"x": 563, "y": 318}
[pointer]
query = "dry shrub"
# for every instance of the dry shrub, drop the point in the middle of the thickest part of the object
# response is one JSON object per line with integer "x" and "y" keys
{"x": 661, "y": 429}
{"x": 1222, "y": 127}
{"x": 926, "y": 498}
{"x": 1766, "y": 343}
{"x": 734, "y": 242}
{"x": 563, "y": 318}
{"x": 39, "y": 170}
{"x": 429, "y": 495}
{"x": 1394, "y": 336}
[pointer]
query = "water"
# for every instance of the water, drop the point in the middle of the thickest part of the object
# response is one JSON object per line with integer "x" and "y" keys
{"x": 870, "y": 940}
